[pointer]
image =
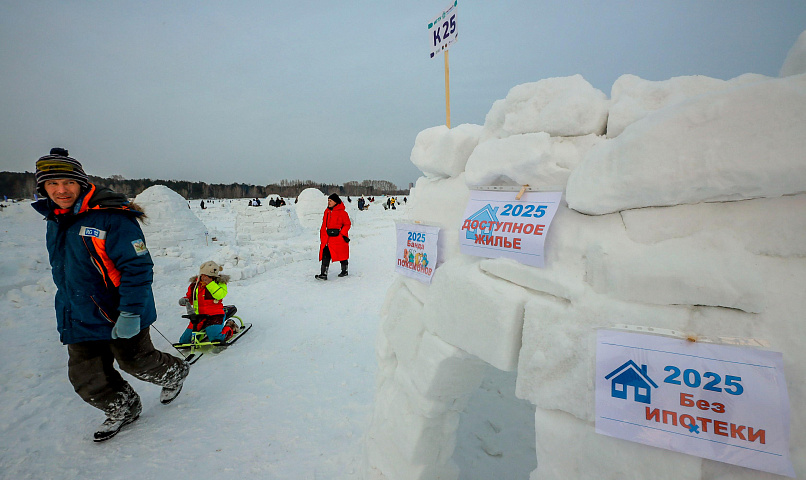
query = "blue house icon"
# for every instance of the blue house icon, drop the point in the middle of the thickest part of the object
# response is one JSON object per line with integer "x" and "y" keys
{"x": 485, "y": 214}
{"x": 630, "y": 375}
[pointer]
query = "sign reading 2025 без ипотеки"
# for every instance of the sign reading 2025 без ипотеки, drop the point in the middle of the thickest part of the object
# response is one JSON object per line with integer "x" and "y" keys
{"x": 720, "y": 402}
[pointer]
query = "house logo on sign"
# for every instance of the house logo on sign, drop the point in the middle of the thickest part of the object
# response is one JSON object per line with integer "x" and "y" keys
{"x": 630, "y": 377}
{"x": 486, "y": 217}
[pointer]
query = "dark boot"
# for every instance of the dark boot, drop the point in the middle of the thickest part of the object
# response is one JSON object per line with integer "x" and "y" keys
{"x": 323, "y": 275}
{"x": 343, "y": 269}
{"x": 170, "y": 392}
{"x": 118, "y": 416}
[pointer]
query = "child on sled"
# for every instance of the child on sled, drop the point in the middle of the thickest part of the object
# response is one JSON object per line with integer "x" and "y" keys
{"x": 204, "y": 299}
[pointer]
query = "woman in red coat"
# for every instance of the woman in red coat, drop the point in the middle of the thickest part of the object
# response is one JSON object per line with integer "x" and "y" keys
{"x": 333, "y": 236}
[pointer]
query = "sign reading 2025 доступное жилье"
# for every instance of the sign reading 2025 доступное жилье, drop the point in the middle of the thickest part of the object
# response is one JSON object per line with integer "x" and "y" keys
{"x": 719, "y": 402}
{"x": 497, "y": 225}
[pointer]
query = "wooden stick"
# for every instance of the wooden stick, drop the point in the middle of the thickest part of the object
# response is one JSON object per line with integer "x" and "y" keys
{"x": 520, "y": 194}
{"x": 447, "y": 93}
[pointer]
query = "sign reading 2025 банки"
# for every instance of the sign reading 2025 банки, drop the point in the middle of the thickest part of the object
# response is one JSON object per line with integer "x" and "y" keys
{"x": 720, "y": 402}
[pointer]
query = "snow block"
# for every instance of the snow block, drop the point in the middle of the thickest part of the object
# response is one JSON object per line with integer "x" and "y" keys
{"x": 562, "y": 107}
{"x": 557, "y": 361}
{"x": 479, "y": 314}
{"x": 442, "y": 371}
{"x": 569, "y": 448}
{"x": 777, "y": 224}
{"x": 419, "y": 440}
{"x": 440, "y": 152}
{"x": 795, "y": 62}
{"x": 721, "y": 146}
{"x": 700, "y": 270}
{"x": 539, "y": 279}
{"x": 401, "y": 324}
{"x": 633, "y": 97}
{"x": 528, "y": 159}
{"x": 440, "y": 203}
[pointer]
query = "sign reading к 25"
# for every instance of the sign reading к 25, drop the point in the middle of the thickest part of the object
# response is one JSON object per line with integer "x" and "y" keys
{"x": 442, "y": 30}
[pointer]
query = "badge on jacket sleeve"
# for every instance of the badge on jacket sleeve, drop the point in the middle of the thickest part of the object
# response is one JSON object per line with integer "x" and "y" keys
{"x": 92, "y": 232}
{"x": 139, "y": 247}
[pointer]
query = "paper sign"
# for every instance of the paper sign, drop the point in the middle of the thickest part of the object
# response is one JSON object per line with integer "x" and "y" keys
{"x": 417, "y": 251}
{"x": 498, "y": 225}
{"x": 719, "y": 402}
{"x": 442, "y": 30}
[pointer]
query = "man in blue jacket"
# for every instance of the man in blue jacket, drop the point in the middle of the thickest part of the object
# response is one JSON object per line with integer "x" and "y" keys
{"x": 104, "y": 303}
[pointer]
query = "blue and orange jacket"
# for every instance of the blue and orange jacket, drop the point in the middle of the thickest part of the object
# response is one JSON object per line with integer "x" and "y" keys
{"x": 100, "y": 265}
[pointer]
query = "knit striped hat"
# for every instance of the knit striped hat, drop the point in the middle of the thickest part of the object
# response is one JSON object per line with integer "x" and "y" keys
{"x": 59, "y": 165}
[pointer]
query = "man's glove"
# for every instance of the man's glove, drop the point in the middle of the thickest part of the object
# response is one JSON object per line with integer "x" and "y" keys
{"x": 347, "y": 240}
{"x": 183, "y": 302}
{"x": 127, "y": 326}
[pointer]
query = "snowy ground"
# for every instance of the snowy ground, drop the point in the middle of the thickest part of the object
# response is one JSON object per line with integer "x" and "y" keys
{"x": 292, "y": 399}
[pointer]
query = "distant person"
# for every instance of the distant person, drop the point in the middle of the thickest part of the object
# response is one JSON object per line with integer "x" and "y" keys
{"x": 361, "y": 203}
{"x": 251, "y": 203}
{"x": 280, "y": 202}
{"x": 204, "y": 296}
{"x": 333, "y": 236}
{"x": 349, "y": 200}
{"x": 405, "y": 200}
{"x": 104, "y": 302}
{"x": 392, "y": 202}
{"x": 202, "y": 204}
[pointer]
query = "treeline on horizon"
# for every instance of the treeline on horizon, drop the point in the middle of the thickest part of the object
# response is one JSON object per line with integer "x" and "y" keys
{"x": 16, "y": 185}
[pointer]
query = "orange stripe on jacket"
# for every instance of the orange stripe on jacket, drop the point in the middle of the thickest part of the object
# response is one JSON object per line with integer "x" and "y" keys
{"x": 100, "y": 249}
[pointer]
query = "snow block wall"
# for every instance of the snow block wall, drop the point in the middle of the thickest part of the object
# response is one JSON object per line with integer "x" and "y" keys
{"x": 265, "y": 223}
{"x": 689, "y": 216}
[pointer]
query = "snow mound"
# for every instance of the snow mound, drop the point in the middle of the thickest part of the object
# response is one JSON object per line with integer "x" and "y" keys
{"x": 563, "y": 106}
{"x": 795, "y": 62}
{"x": 633, "y": 98}
{"x": 169, "y": 221}
{"x": 728, "y": 145}
{"x": 310, "y": 205}
{"x": 534, "y": 159}
{"x": 441, "y": 152}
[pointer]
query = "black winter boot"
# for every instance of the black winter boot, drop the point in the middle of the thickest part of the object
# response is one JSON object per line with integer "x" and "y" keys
{"x": 169, "y": 393}
{"x": 117, "y": 418}
{"x": 323, "y": 275}
{"x": 343, "y": 269}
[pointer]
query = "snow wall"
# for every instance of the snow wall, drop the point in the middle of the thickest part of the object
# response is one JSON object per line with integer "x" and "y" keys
{"x": 684, "y": 209}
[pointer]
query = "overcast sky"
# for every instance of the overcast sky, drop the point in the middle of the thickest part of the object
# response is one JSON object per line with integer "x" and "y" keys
{"x": 260, "y": 91}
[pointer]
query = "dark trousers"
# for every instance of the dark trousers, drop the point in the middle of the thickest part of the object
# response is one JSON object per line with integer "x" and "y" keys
{"x": 326, "y": 261}
{"x": 94, "y": 378}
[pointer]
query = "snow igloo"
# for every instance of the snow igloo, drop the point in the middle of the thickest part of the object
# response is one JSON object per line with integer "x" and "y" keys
{"x": 688, "y": 217}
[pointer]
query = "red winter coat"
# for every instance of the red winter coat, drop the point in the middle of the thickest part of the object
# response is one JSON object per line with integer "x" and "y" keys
{"x": 335, "y": 218}
{"x": 204, "y": 299}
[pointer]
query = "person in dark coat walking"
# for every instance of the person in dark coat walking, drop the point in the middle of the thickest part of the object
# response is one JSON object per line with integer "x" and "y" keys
{"x": 334, "y": 236}
{"x": 104, "y": 304}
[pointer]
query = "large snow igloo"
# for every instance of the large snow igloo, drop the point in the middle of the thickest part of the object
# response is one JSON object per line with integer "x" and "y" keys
{"x": 689, "y": 216}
